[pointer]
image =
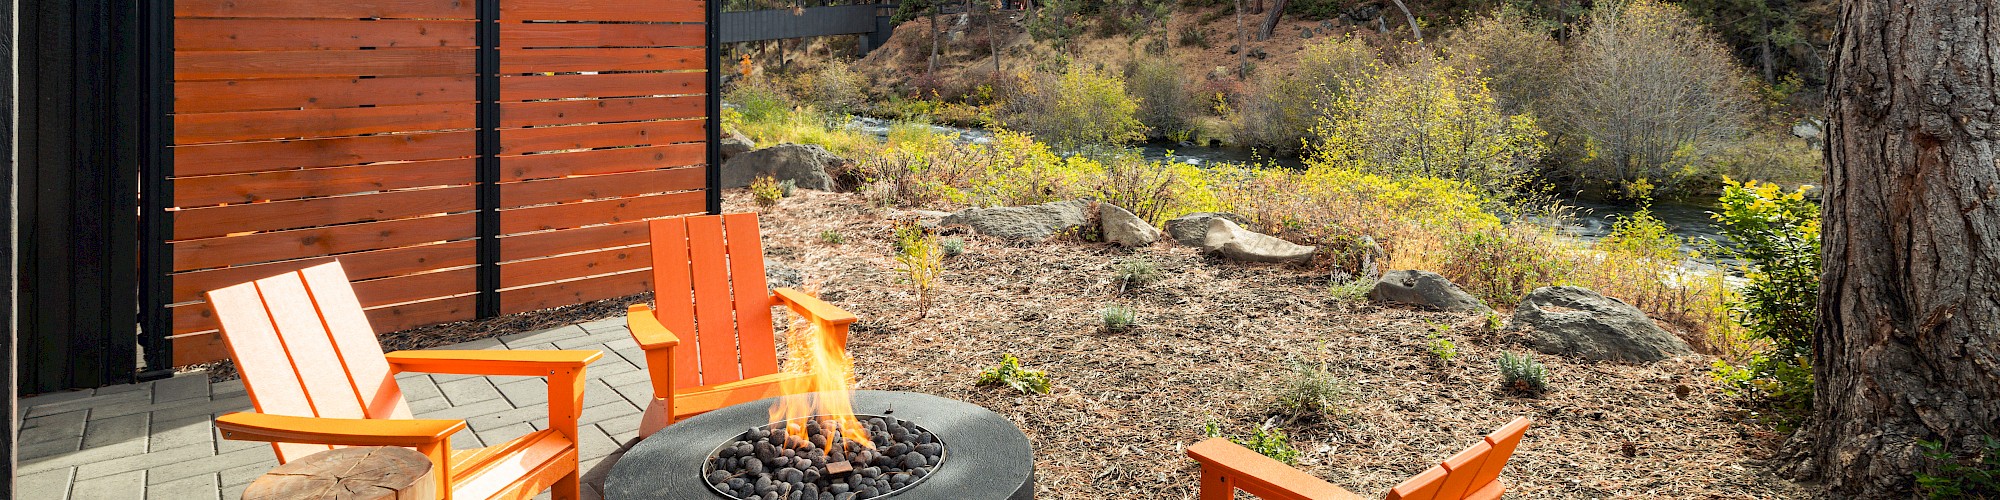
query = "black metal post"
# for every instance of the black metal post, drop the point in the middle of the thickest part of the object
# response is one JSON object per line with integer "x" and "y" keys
{"x": 488, "y": 143}
{"x": 157, "y": 192}
{"x": 714, "y": 51}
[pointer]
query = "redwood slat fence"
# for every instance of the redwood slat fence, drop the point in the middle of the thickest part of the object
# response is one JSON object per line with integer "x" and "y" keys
{"x": 460, "y": 158}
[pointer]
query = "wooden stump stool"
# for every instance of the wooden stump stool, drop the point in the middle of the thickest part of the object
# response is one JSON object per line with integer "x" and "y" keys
{"x": 359, "y": 473}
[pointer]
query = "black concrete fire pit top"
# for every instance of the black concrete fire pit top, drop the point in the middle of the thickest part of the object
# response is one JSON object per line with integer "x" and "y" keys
{"x": 990, "y": 458}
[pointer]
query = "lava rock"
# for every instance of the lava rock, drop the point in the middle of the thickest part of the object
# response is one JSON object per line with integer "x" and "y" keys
{"x": 1425, "y": 289}
{"x": 1192, "y": 228}
{"x": 1229, "y": 240}
{"x": 735, "y": 144}
{"x": 806, "y": 165}
{"x": 1580, "y": 323}
{"x": 1120, "y": 226}
{"x": 1029, "y": 223}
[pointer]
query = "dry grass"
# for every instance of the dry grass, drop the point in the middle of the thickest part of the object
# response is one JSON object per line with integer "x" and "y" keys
{"x": 1216, "y": 340}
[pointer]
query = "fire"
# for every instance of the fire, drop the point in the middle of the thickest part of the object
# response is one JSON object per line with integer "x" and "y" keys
{"x": 813, "y": 352}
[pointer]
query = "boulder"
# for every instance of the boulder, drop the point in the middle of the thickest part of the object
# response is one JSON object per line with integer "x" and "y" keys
{"x": 1580, "y": 323}
{"x": 1229, "y": 240}
{"x": 1192, "y": 228}
{"x": 735, "y": 143}
{"x": 1029, "y": 223}
{"x": 1424, "y": 289}
{"x": 806, "y": 165}
{"x": 1122, "y": 227}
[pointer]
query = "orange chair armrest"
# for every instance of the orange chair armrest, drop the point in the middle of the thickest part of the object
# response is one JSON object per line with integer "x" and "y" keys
{"x": 813, "y": 308}
{"x": 247, "y": 426}
{"x": 517, "y": 363}
{"x": 1262, "y": 475}
{"x": 647, "y": 329}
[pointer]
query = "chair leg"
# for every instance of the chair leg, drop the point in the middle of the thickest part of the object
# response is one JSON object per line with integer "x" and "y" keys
{"x": 568, "y": 488}
{"x": 1215, "y": 486}
{"x": 658, "y": 415}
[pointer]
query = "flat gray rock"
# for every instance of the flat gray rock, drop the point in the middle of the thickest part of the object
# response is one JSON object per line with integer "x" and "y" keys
{"x": 1580, "y": 323}
{"x": 1424, "y": 289}
{"x": 1029, "y": 223}
{"x": 1192, "y": 228}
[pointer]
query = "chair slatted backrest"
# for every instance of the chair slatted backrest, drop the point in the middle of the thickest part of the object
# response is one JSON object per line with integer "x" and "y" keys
{"x": 1469, "y": 471}
{"x": 305, "y": 349}
{"x": 709, "y": 290}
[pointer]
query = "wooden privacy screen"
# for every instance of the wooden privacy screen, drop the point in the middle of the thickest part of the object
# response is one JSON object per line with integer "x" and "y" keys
{"x": 306, "y": 129}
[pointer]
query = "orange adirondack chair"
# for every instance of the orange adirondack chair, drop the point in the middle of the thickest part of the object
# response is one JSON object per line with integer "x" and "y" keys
{"x": 1473, "y": 474}
{"x": 318, "y": 378}
{"x": 710, "y": 344}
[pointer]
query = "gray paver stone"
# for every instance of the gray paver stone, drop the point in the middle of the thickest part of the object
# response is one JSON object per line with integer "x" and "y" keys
{"x": 465, "y": 439}
{"x": 184, "y": 432}
{"x": 58, "y": 426}
{"x": 200, "y": 487}
{"x": 116, "y": 430}
{"x": 54, "y": 484}
{"x": 542, "y": 336}
{"x": 97, "y": 401}
{"x": 467, "y": 391}
{"x": 418, "y": 386}
{"x": 209, "y": 408}
{"x": 210, "y": 466}
{"x": 143, "y": 460}
{"x": 183, "y": 386}
{"x": 131, "y": 484}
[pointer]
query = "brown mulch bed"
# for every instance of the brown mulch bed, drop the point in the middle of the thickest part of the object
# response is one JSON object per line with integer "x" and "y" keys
{"x": 1213, "y": 342}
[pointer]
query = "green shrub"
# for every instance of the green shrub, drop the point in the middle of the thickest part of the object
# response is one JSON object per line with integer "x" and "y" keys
{"x": 1441, "y": 347}
{"x": 1523, "y": 374}
{"x": 1116, "y": 318}
{"x": 1080, "y": 108}
{"x": 1165, "y": 104}
{"x": 1353, "y": 289}
{"x": 1776, "y": 233}
{"x": 953, "y": 246}
{"x": 835, "y": 88}
{"x": 787, "y": 187}
{"x": 1011, "y": 374}
{"x": 1280, "y": 110}
{"x": 1268, "y": 440}
{"x": 1426, "y": 118}
{"x": 831, "y": 237}
{"x": 1950, "y": 476}
{"x": 1513, "y": 51}
{"x": 765, "y": 189}
{"x": 920, "y": 262}
{"x": 1136, "y": 273}
{"x": 1309, "y": 391}
{"x": 759, "y": 100}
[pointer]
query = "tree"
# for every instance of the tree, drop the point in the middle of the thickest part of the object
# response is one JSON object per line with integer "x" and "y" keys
{"x": 1906, "y": 341}
{"x": 1077, "y": 110}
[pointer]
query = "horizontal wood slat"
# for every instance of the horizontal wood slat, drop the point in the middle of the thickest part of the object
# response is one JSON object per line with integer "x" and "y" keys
{"x": 526, "y": 140}
{"x": 320, "y": 93}
{"x": 530, "y": 114}
{"x": 278, "y": 215}
{"x": 529, "y": 246}
{"x": 575, "y": 266}
{"x": 516, "y": 61}
{"x": 602, "y": 161}
{"x": 602, "y": 35}
{"x": 207, "y": 65}
{"x": 536, "y": 87}
{"x": 319, "y": 34}
{"x": 518, "y": 194}
{"x": 416, "y": 287}
{"x": 289, "y": 184}
{"x": 348, "y": 9}
{"x": 255, "y": 125}
{"x": 570, "y": 215}
{"x": 315, "y": 242}
{"x": 574, "y": 292}
{"x": 671, "y": 11}
{"x": 360, "y": 265}
{"x": 241, "y": 157}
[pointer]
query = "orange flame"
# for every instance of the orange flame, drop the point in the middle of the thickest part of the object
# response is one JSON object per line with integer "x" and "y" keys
{"x": 822, "y": 363}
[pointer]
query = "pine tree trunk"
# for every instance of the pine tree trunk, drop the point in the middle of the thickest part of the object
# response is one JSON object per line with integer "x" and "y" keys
{"x": 1908, "y": 345}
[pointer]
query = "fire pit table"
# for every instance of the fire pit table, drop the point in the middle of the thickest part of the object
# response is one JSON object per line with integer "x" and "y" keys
{"x": 982, "y": 455}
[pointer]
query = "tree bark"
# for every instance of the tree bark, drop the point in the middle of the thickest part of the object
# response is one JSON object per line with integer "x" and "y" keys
{"x": 1415, "y": 32}
{"x": 1907, "y": 347}
{"x": 1271, "y": 20}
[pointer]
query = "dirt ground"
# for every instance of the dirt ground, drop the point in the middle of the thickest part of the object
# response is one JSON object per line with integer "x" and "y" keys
{"x": 1213, "y": 341}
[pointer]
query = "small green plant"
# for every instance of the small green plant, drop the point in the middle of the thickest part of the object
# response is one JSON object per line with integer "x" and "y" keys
{"x": 1269, "y": 440}
{"x": 920, "y": 261}
{"x": 1954, "y": 477}
{"x": 1440, "y": 346}
{"x": 1136, "y": 273}
{"x": 1011, "y": 374}
{"x": 1494, "y": 322}
{"x": 953, "y": 246}
{"x": 1350, "y": 290}
{"x": 1118, "y": 318}
{"x": 1310, "y": 391}
{"x": 1523, "y": 374}
{"x": 831, "y": 237}
{"x": 767, "y": 191}
{"x": 787, "y": 186}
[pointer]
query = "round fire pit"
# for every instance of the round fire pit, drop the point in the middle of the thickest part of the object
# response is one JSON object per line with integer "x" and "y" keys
{"x": 988, "y": 458}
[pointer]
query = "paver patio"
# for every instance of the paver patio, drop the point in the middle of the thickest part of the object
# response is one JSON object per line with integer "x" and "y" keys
{"x": 155, "y": 439}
